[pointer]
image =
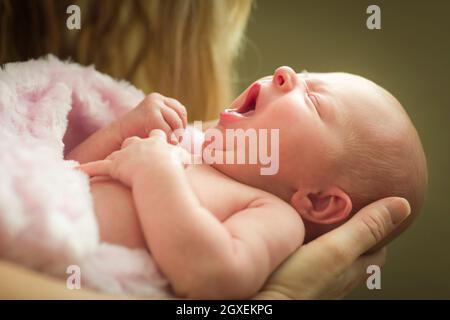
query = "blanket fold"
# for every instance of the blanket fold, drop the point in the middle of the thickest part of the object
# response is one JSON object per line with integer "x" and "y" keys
{"x": 47, "y": 222}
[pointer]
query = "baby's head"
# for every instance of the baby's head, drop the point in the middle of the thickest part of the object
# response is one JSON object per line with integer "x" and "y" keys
{"x": 344, "y": 143}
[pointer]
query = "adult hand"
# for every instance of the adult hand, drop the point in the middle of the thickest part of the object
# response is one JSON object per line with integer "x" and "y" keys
{"x": 332, "y": 265}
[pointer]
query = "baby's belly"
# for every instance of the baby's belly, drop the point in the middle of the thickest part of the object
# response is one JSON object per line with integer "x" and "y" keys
{"x": 116, "y": 214}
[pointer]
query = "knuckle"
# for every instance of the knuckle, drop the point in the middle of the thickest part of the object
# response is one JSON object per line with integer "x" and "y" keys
{"x": 178, "y": 105}
{"x": 339, "y": 253}
{"x": 378, "y": 223}
{"x": 153, "y": 96}
{"x": 130, "y": 140}
{"x": 336, "y": 251}
{"x": 151, "y": 101}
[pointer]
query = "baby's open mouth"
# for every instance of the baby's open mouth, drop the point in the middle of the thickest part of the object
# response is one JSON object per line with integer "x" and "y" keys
{"x": 249, "y": 106}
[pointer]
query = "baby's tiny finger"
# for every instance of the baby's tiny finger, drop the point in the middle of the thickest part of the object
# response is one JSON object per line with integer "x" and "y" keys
{"x": 179, "y": 108}
{"x": 112, "y": 155}
{"x": 158, "y": 133}
{"x": 162, "y": 126}
{"x": 96, "y": 168}
{"x": 172, "y": 118}
{"x": 173, "y": 139}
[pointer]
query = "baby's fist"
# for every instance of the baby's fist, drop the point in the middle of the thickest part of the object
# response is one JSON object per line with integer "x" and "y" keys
{"x": 155, "y": 112}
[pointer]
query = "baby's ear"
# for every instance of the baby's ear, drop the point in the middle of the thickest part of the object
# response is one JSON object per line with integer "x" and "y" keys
{"x": 326, "y": 207}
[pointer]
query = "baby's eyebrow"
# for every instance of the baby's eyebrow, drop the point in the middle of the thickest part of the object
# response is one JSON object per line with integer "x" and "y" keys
{"x": 315, "y": 84}
{"x": 308, "y": 89}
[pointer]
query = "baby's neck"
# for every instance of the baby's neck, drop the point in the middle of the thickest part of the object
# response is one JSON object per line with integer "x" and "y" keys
{"x": 250, "y": 176}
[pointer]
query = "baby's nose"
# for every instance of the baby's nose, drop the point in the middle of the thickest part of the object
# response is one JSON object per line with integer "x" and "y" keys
{"x": 285, "y": 78}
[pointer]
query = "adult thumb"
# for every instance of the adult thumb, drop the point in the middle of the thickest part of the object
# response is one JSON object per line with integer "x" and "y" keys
{"x": 369, "y": 228}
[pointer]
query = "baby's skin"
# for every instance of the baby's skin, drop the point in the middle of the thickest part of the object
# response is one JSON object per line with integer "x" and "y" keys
{"x": 218, "y": 231}
{"x": 211, "y": 236}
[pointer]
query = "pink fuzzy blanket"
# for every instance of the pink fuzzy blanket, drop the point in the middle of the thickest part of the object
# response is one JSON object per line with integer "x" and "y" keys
{"x": 46, "y": 214}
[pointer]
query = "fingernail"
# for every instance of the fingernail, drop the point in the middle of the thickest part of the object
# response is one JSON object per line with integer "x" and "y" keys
{"x": 399, "y": 209}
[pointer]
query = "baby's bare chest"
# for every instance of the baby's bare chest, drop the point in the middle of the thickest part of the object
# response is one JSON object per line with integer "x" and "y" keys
{"x": 221, "y": 195}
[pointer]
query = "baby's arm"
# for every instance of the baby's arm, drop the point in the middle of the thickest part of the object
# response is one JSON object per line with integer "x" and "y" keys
{"x": 201, "y": 256}
{"x": 154, "y": 112}
{"x": 98, "y": 145}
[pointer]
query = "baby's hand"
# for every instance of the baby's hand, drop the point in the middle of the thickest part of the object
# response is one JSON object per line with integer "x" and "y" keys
{"x": 138, "y": 157}
{"x": 155, "y": 112}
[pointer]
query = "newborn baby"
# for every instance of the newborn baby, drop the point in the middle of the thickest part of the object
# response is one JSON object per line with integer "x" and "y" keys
{"x": 219, "y": 230}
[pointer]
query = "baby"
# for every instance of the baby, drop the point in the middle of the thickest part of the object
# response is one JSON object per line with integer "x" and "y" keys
{"x": 218, "y": 230}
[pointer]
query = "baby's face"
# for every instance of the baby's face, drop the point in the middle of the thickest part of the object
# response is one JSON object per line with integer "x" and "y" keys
{"x": 314, "y": 114}
{"x": 343, "y": 142}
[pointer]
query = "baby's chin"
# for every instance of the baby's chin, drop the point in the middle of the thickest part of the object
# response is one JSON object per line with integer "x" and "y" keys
{"x": 224, "y": 127}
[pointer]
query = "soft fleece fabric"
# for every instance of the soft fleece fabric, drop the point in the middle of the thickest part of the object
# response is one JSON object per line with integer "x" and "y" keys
{"x": 47, "y": 220}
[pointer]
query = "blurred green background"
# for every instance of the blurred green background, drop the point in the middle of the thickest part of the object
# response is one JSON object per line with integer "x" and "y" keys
{"x": 410, "y": 57}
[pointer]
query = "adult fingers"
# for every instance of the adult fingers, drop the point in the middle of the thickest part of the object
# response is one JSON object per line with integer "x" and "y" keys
{"x": 96, "y": 168}
{"x": 377, "y": 258}
{"x": 366, "y": 229}
{"x": 357, "y": 273}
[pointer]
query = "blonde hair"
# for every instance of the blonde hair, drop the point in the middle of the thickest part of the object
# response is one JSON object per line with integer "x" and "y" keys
{"x": 181, "y": 48}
